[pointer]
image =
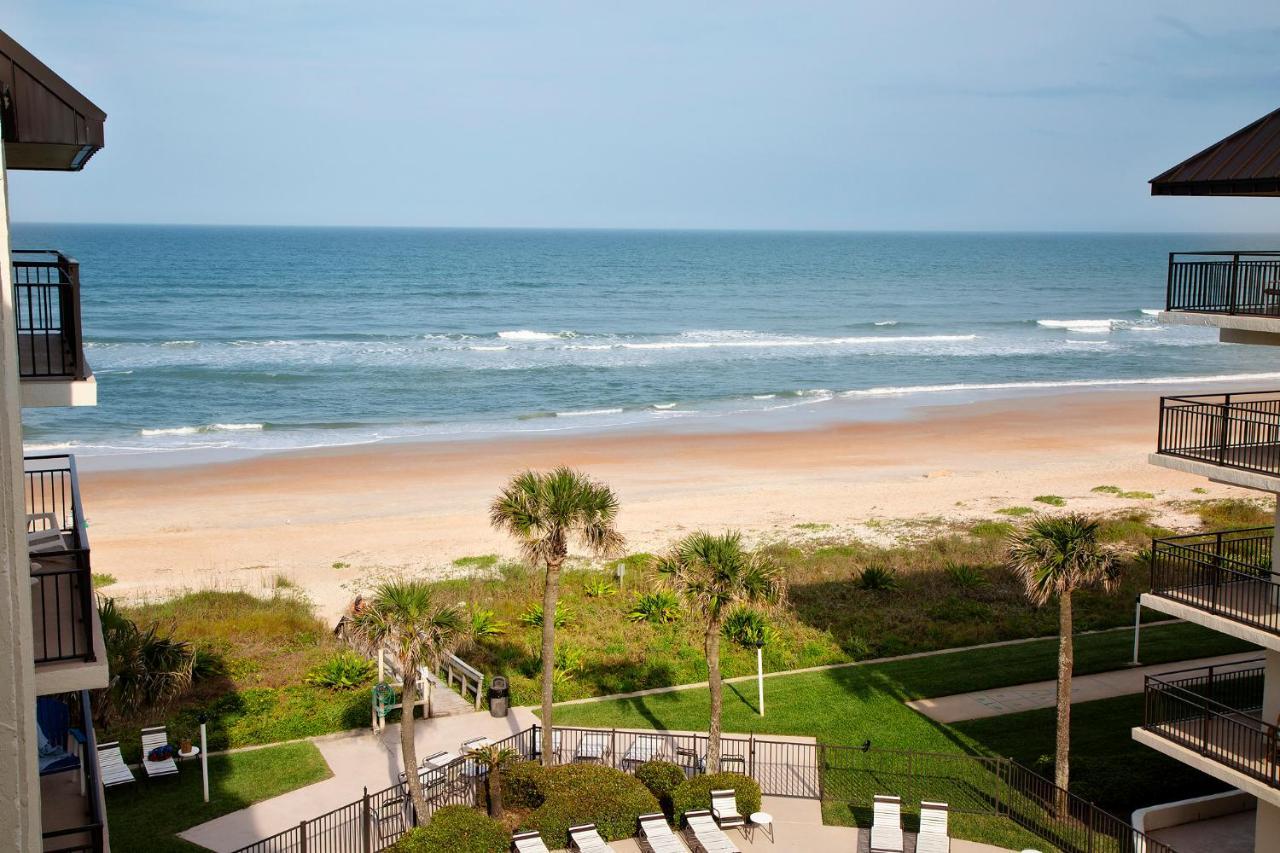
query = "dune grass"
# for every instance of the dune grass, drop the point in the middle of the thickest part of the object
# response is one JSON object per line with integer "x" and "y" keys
{"x": 149, "y": 816}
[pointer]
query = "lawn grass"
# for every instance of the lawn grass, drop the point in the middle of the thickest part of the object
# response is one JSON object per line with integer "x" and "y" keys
{"x": 149, "y": 815}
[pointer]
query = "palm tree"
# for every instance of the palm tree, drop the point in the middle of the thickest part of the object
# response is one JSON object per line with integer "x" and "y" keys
{"x": 542, "y": 511}
{"x": 714, "y": 574}
{"x": 1056, "y": 556}
{"x": 406, "y": 619}
{"x": 495, "y": 759}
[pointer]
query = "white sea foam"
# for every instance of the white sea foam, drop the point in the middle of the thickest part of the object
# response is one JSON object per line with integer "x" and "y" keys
{"x": 665, "y": 405}
{"x": 1088, "y": 326}
{"x": 763, "y": 396}
{"x": 530, "y": 335}
{"x": 770, "y": 343}
{"x": 194, "y": 430}
{"x": 489, "y": 349}
{"x": 1151, "y": 312}
{"x": 886, "y": 322}
{"x": 890, "y": 391}
{"x": 588, "y": 412}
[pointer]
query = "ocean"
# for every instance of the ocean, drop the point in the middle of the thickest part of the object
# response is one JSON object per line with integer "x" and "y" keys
{"x": 259, "y": 339}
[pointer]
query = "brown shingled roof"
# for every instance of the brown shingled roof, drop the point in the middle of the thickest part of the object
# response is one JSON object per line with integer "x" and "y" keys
{"x": 1245, "y": 163}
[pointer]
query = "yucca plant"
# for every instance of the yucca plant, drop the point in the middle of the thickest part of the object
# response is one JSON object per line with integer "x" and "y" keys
{"x": 344, "y": 670}
{"x": 532, "y": 616}
{"x": 656, "y": 608}
{"x": 878, "y": 579}
{"x": 748, "y": 628}
{"x": 599, "y": 588}
{"x": 485, "y": 623}
{"x": 967, "y": 576}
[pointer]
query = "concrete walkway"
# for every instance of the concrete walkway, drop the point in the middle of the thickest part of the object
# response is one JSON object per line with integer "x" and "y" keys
{"x": 1043, "y": 694}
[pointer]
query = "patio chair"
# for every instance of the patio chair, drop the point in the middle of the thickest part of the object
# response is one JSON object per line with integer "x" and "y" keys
{"x": 886, "y": 824}
{"x": 592, "y": 746}
{"x": 656, "y": 835}
{"x": 44, "y": 534}
{"x": 53, "y": 728}
{"x": 732, "y": 762}
{"x": 724, "y": 808}
{"x": 391, "y": 817}
{"x": 708, "y": 837}
{"x": 645, "y": 748}
{"x": 933, "y": 837}
{"x": 153, "y": 737}
{"x": 556, "y": 738}
{"x": 474, "y": 743}
{"x": 689, "y": 759}
{"x": 528, "y": 842}
{"x": 586, "y": 839}
{"x": 111, "y": 766}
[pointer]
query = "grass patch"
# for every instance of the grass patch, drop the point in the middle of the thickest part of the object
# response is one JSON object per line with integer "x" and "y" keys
{"x": 1051, "y": 500}
{"x": 1107, "y": 490}
{"x": 1138, "y": 495}
{"x": 813, "y": 526}
{"x": 1234, "y": 513}
{"x": 479, "y": 563}
{"x": 1015, "y": 511}
{"x": 338, "y": 564}
{"x": 149, "y": 816}
{"x": 101, "y": 580}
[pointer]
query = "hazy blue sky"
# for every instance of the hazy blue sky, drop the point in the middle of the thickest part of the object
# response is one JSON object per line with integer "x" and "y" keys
{"x": 844, "y": 115}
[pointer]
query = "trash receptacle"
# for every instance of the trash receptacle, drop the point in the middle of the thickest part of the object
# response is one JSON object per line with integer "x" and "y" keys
{"x": 499, "y": 696}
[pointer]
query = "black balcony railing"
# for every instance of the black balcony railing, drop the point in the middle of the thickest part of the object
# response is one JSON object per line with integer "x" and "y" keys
{"x": 1224, "y": 282}
{"x": 58, "y": 545}
{"x": 1214, "y": 711}
{"x": 46, "y": 304}
{"x": 1231, "y": 430}
{"x": 85, "y": 835}
{"x": 1226, "y": 573}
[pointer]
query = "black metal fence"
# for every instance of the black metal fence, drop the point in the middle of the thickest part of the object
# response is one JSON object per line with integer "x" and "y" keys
{"x": 1232, "y": 430}
{"x": 836, "y": 774}
{"x": 1224, "y": 282}
{"x": 62, "y": 602}
{"x": 1215, "y": 712}
{"x": 1227, "y": 573}
{"x": 46, "y": 301}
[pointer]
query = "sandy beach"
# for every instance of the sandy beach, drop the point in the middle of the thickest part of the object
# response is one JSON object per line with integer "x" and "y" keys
{"x": 334, "y": 521}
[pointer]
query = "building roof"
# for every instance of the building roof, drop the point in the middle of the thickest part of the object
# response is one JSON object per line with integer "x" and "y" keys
{"x": 46, "y": 122}
{"x": 1245, "y": 163}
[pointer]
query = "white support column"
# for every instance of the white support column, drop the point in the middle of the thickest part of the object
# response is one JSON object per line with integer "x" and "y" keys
{"x": 19, "y": 780}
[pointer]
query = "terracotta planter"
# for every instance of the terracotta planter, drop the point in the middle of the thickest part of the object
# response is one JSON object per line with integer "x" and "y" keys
{"x": 184, "y": 745}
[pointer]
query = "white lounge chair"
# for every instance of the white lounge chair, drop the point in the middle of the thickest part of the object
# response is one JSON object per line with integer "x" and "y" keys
{"x": 646, "y": 748}
{"x": 556, "y": 737}
{"x": 473, "y": 767}
{"x": 724, "y": 808}
{"x": 438, "y": 760}
{"x": 152, "y": 737}
{"x": 708, "y": 837}
{"x": 44, "y": 534}
{"x": 586, "y": 839}
{"x": 592, "y": 746}
{"x": 474, "y": 743}
{"x": 656, "y": 835}
{"x": 933, "y": 837}
{"x": 886, "y": 824}
{"x": 111, "y": 766}
{"x": 528, "y": 842}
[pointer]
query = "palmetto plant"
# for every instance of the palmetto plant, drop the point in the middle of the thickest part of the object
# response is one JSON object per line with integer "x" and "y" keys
{"x": 147, "y": 669}
{"x": 1054, "y": 556}
{"x": 657, "y": 608}
{"x": 485, "y": 623}
{"x": 495, "y": 759}
{"x": 406, "y": 619}
{"x": 532, "y": 615}
{"x": 878, "y": 579}
{"x": 714, "y": 575}
{"x": 748, "y": 628}
{"x": 543, "y": 511}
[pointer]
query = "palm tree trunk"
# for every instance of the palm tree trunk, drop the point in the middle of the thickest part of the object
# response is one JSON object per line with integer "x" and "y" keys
{"x": 408, "y": 748}
{"x": 550, "y": 594}
{"x": 717, "y": 695}
{"x": 495, "y": 792}
{"x": 1062, "y": 752}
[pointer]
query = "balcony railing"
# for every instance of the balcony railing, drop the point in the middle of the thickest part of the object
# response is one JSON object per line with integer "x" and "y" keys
{"x": 1239, "y": 431}
{"x": 1224, "y": 282}
{"x": 61, "y": 588}
{"x": 1214, "y": 711}
{"x": 74, "y": 821}
{"x": 1227, "y": 573}
{"x": 46, "y": 303}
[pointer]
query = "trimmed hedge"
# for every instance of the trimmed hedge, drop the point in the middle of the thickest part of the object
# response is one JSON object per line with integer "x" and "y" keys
{"x": 522, "y": 785}
{"x": 588, "y": 793}
{"x": 661, "y": 778}
{"x": 696, "y": 793}
{"x": 455, "y": 829}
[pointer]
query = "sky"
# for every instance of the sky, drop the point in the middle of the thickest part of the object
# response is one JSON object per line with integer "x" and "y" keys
{"x": 793, "y": 114}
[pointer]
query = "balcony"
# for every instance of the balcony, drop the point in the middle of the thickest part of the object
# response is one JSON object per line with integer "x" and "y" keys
{"x": 46, "y": 304}
{"x": 1210, "y": 718}
{"x": 72, "y": 812}
{"x": 67, "y": 637}
{"x": 1231, "y": 438}
{"x": 1223, "y": 579}
{"x": 1236, "y": 292}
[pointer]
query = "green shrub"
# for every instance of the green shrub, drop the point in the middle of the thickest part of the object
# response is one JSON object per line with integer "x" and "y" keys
{"x": 1107, "y": 490}
{"x": 599, "y": 587}
{"x": 661, "y": 778}
{"x": 696, "y": 793}
{"x": 656, "y": 608}
{"x": 455, "y": 829}
{"x": 1051, "y": 500}
{"x": 748, "y": 628}
{"x": 877, "y": 579}
{"x": 991, "y": 529}
{"x": 344, "y": 670}
{"x": 589, "y": 793}
{"x": 522, "y": 785}
{"x": 484, "y": 623}
{"x": 965, "y": 576}
{"x": 532, "y": 616}
{"x": 1229, "y": 513}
